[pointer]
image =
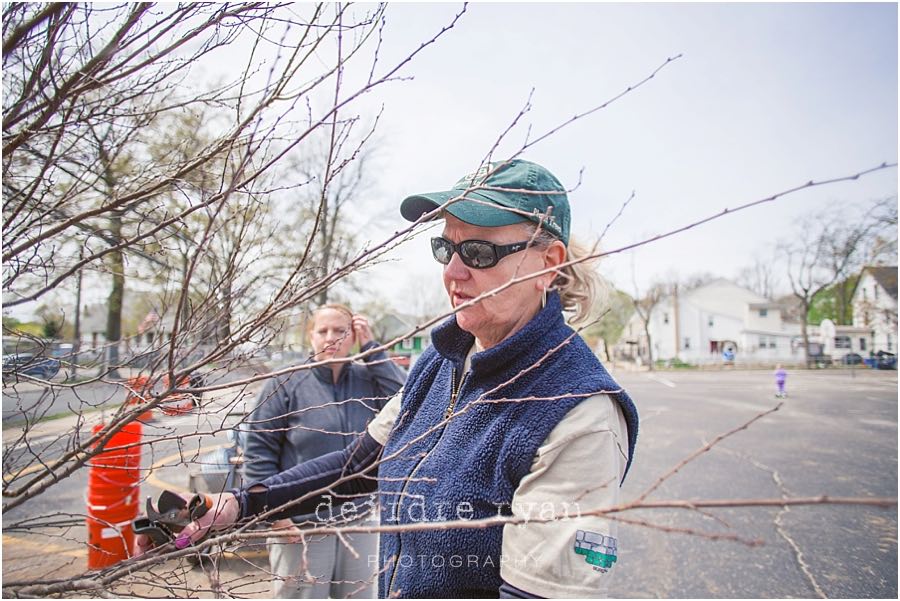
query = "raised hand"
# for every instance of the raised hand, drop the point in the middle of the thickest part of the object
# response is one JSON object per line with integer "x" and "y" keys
{"x": 361, "y": 329}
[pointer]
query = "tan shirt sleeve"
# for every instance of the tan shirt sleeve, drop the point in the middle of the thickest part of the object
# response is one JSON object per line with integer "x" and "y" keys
{"x": 380, "y": 427}
{"x": 577, "y": 469}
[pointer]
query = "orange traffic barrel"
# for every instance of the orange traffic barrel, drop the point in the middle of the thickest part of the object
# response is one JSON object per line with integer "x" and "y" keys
{"x": 109, "y": 542}
{"x": 113, "y": 497}
{"x": 137, "y": 388}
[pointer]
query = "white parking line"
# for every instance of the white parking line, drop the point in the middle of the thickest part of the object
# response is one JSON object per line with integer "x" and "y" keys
{"x": 661, "y": 380}
{"x": 34, "y": 441}
{"x": 878, "y": 422}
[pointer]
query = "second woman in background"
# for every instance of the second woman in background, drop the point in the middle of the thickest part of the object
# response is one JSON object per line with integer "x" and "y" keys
{"x": 309, "y": 413}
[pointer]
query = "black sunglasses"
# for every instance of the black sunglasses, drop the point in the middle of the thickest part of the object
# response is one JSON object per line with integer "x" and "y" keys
{"x": 476, "y": 254}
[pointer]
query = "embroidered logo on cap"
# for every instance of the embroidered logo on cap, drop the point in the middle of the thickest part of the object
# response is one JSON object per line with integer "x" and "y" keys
{"x": 474, "y": 178}
{"x": 598, "y": 550}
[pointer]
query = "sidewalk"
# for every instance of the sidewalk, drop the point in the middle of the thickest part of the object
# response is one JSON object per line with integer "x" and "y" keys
{"x": 56, "y": 422}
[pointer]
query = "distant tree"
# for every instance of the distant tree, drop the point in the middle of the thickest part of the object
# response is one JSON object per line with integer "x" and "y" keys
{"x": 620, "y": 308}
{"x": 834, "y": 303}
{"x": 18, "y": 328}
{"x": 10, "y": 323}
{"x": 52, "y": 322}
{"x": 882, "y": 249}
{"x": 643, "y": 306}
{"x": 694, "y": 281}
{"x": 125, "y": 153}
{"x": 759, "y": 276}
{"x": 826, "y": 249}
{"x": 418, "y": 301}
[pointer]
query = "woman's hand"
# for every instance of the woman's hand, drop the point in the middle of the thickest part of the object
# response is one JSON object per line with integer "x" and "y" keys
{"x": 287, "y": 525}
{"x": 142, "y": 544}
{"x": 223, "y": 514}
{"x": 361, "y": 330}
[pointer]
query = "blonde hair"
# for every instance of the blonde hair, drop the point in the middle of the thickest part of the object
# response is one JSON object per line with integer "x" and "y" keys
{"x": 581, "y": 289}
{"x": 333, "y": 306}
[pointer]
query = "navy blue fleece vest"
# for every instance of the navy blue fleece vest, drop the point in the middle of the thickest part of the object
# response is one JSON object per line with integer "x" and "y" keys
{"x": 469, "y": 467}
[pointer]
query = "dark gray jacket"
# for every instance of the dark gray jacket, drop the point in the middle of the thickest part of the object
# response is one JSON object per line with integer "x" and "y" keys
{"x": 300, "y": 416}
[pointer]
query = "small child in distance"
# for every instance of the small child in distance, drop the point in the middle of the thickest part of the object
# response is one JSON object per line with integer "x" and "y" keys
{"x": 780, "y": 378}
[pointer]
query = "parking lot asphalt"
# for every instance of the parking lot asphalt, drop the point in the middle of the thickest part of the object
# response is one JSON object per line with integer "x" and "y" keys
{"x": 835, "y": 435}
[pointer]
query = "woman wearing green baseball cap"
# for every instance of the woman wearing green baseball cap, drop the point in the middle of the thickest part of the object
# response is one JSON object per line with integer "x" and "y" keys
{"x": 495, "y": 462}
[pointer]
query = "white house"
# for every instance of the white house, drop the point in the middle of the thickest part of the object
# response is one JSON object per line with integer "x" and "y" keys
{"x": 875, "y": 308}
{"x": 93, "y": 326}
{"x": 838, "y": 341}
{"x": 698, "y": 326}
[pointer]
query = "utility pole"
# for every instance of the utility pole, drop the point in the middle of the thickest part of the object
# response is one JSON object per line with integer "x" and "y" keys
{"x": 677, "y": 320}
{"x": 76, "y": 344}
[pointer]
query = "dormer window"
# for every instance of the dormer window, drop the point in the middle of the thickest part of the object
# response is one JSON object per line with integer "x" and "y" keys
{"x": 763, "y": 312}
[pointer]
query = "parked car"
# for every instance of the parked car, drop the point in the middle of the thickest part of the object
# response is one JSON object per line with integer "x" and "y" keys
{"x": 885, "y": 360}
{"x": 220, "y": 469}
{"x": 30, "y": 365}
{"x": 852, "y": 359}
{"x": 817, "y": 356}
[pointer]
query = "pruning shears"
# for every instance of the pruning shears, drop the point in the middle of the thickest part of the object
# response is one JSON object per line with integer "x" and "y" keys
{"x": 171, "y": 514}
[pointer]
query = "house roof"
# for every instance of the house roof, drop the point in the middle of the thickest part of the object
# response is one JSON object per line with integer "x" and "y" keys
{"x": 721, "y": 297}
{"x": 766, "y": 305}
{"x": 886, "y": 277}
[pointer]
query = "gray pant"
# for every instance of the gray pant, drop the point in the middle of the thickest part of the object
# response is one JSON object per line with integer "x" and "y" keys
{"x": 335, "y": 572}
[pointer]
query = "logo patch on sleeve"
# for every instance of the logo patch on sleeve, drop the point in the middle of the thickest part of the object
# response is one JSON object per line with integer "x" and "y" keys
{"x": 599, "y": 551}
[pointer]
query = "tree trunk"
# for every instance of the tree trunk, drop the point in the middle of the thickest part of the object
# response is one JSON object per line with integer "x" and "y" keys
{"x": 804, "y": 331}
{"x": 76, "y": 343}
{"x": 649, "y": 345}
{"x": 842, "y": 296}
{"x": 116, "y": 295}
{"x": 327, "y": 240}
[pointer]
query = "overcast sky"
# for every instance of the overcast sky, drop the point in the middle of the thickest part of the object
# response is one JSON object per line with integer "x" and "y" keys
{"x": 763, "y": 98}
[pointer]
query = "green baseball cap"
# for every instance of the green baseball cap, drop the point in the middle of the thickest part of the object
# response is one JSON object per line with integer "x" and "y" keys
{"x": 531, "y": 189}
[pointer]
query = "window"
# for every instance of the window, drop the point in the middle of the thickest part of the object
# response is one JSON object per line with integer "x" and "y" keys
{"x": 763, "y": 312}
{"x": 875, "y": 292}
{"x": 772, "y": 342}
{"x": 890, "y": 344}
{"x": 842, "y": 342}
{"x": 862, "y": 344}
{"x": 406, "y": 344}
{"x": 865, "y": 294}
{"x": 763, "y": 341}
{"x": 687, "y": 343}
{"x": 710, "y": 322}
{"x": 665, "y": 318}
